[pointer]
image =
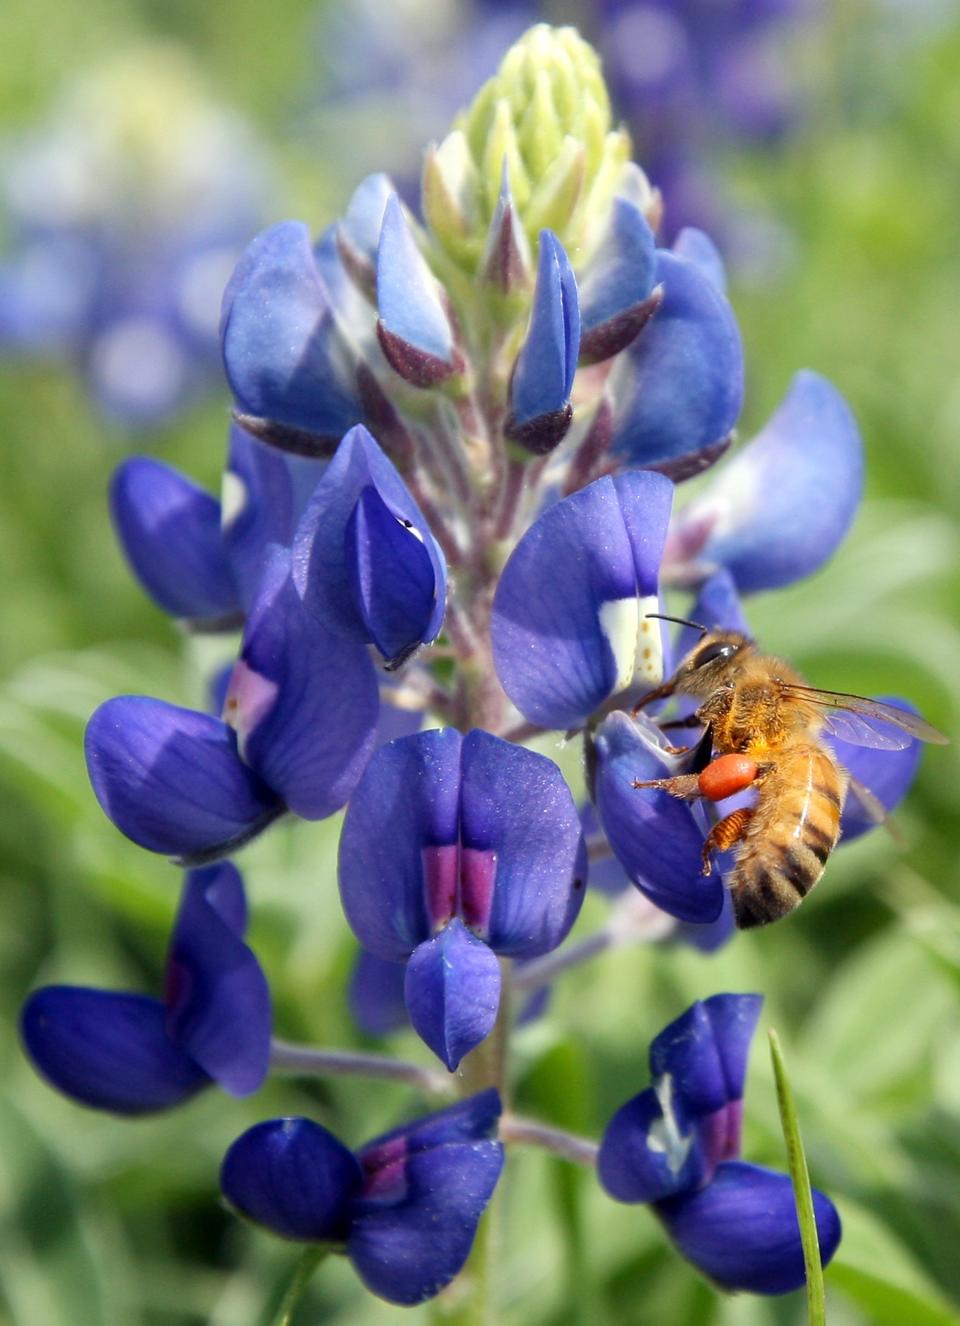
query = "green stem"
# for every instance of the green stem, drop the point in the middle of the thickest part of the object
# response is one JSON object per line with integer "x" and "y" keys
{"x": 308, "y": 1263}
{"x": 816, "y": 1301}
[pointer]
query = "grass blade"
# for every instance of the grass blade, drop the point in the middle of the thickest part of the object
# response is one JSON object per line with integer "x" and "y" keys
{"x": 816, "y": 1302}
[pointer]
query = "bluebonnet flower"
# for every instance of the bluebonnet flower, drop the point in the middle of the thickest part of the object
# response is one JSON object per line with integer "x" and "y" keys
{"x": 134, "y": 1054}
{"x": 454, "y": 850}
{"x": 126, "y": 211}
{"x": 404, "y": 1208}
{"x": 199, "y": 558}
{"x": 676, "y": 1146}
{"x": 300, "y": 716}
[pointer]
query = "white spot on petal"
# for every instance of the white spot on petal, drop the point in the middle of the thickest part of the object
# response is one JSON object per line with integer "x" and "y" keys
{"x": 619, "y": 622}
{"x": 250, "y": 697}
{"x": 233, "y": 498}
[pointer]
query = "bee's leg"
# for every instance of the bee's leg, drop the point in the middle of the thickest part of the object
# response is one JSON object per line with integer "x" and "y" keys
{"x": 726, "y": 833}
{"x": 690, "y": 721}
{"x": 685, "y": 786}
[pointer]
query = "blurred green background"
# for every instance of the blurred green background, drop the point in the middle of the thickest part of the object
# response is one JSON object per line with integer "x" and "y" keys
{"x": 111, "y": 1223}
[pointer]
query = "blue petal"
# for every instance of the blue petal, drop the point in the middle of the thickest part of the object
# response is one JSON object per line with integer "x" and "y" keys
{"x": 304, "y": 702}
{"x": 171, "y": 779}
{"x": 618, "y": 280}
{"x": 218, "y": 1001}
{"x": 391, "y": 576}
{"x": 569, "y": 626}
{"x": 547, "y": 363}
{"x": 363, "y": 219}
{"x": 644, "y": 1158}
{"x": 694, "y": 246}
{"x": 281, "y": 349}
{"x": 656, "y": 838}
{"x": 375, "y": 995}
{"x": 324, "y": 559}
{"x": 407, "y": 801}
{"x": 264, "y": 491}
{"x": 888, "y": 774}
{"x": 516, "y": 805}
{"x": 741, "y": 1230}
{"x": 452, "y": 992}
{"x": 783, "y": 505}
{"x": 294, "y": 1177}
{"x": 471, "y": 1120}
{"x": 108, "y": 1050}
{"x": 408, "y": 1248}
{"x": 679, "y": 387}
{"x": 170, "y": 532}
{"x": 414, "y": 330}
{"x": 705, "y": 1050}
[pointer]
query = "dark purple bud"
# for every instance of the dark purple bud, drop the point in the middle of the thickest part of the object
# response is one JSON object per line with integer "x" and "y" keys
{"x": 415, "y": 333}
{"x": 540, "y": 412}
{"x": 506, "y": 262}
{"x": 616, "y": 287}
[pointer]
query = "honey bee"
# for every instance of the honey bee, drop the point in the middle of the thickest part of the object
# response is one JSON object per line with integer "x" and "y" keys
{"x": 764, "y": 728}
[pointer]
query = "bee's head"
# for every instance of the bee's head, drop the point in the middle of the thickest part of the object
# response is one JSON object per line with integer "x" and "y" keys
{"x": 703, "y": 669}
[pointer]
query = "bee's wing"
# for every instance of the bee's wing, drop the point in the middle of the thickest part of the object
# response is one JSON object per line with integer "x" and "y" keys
{"x": 872, "y": 806}
{"x": 865, "y": 722}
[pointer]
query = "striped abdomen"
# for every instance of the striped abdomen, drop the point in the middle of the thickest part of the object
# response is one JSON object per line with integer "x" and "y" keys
{"x": 793, "y": 830}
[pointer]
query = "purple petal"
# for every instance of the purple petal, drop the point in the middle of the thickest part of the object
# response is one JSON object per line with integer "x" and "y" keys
{"x": 304, "y": 703}
{"x": 694, "y": 246}
{"x": 656, "y": 838}
{"x": 506, "y": 262}
{"x": 471, "y": 1120}
{"x": 718, "y": 608}
{"x": 218, "y": 1001}
{"x": 741, "y": 1230}
{"x": 408, "y": 1242}
{"x": 391, "y": 576}
{"x": 171, "y": 779}
{"x": 516, "y": 805}
{"x": 679, "y": 387}
{"x": 569, "y": 624}
{"x": 107, "y": 1050}
{"x": 888, "y": 774}
{"x": 644, "y": 1156}
{"x": 375, "y": 995}
{"x": 452, "y": 992}
{"x": 784, "y": 503}
{"x": 408, "y": 801}
{"x": 264, "y": 491}
{"x": 284, "y": 359}
{"x": 325, "y": 559}
{"x": 358, "y": 234}
{"x": 170, "y": 532}
{"x": 619, "y": 276}
{"x": 544, "y": 372}
{"x": 414, "y": 330}
{"x": 294, "y": 1177}
{"x": 705, "y": 1051}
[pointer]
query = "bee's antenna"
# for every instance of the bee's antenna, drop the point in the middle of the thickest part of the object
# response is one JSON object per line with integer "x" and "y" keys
{"x": 681, "y": 621}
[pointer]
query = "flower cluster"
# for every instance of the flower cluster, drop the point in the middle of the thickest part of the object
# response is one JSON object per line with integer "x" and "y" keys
{"x": 447, "y": 525}
{"x": 125, "y": 212}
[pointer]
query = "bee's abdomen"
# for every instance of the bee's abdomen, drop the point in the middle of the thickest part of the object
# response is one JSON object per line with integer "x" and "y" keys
{"x": 794, "y": 830}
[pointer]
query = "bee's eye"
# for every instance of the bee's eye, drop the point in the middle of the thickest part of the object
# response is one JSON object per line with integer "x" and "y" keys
{"x": 712, "y": 652}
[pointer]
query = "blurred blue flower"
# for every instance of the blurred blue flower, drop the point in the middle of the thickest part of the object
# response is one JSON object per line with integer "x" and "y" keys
{"x": 125, "y": 213}
{"x": 676, "y": 1146}
{"x": 132, "y": 1054}
{"x": 404, "y": 1208}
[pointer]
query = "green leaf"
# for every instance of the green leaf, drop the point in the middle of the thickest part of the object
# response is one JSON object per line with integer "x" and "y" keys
{"x": 816, "y": 1302}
